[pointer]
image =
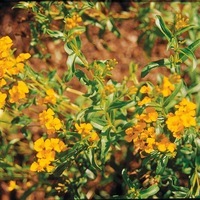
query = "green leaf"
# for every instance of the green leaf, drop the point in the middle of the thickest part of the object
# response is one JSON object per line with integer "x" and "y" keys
{"x": 111, "y": 27}
{"x": 82, "y": 77}
{"x": 71, "y": 67}
{"x": 161, "y": 25}
{"x": 51, "y": 74}
{"x": 118, "y": 104}
{"x": 172, "y": 96}
{"x": 29, "y": 191}
{"x": 24, "y": 120}
{"x": 191, "y": 47}
{"x": 55, "y": 33}
{"x": 189, "y": 54}
{"x": 105, "y": 145}
{"x": 161, "y": 165}
{"x": 126, "y": 178}
{"x": 144, "y": 194}
{"x": 154, "y": 64}
{"x": 90, "y": 153}
{"x": 182, "y": 30}
{"x": 68, "y": 156}
{"x": 4, "y": 165}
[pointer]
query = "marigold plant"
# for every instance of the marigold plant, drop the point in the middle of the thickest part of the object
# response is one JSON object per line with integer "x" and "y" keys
{"x": 131, "y": 139}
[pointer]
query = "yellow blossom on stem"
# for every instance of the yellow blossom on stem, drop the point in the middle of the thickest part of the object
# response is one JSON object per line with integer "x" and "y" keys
{"x": 93, "y": 137}
{"x": 184, "y": 117}
{"x": 46, "y": 153}
{"x": 46, "y": 116}
{"x": 145, "y": 89}
{"x": 149, "y": 115}
{"x": 144, "y": 101}
{"x": 167, "y": 87}
{"x": 73, "y": 21}
{"x": 2, "y": 82}
{"x": 18, "y": 92}
{"x": 53, "y": 125}
{"x": 2, "y": 99}
{"x": 86, "y": 130}
{"x": 12, "y": 185}
{"x": 39, "y": 144}
{"x": 181, "y": 21}
{"x": 51, "y": 97}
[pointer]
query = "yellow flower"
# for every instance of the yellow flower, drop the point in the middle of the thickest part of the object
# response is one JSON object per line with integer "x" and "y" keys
{"x": 39, "y": 144}
{"x": 53, "y": 125}
{"x": 144, "y": 101}
{"x": 73, "y": 21}
{"x": 51, "y": 97}
{"x": 181, "y": 21}
{"x": 36, "y": 167}
{"x": 171, "y": 147}
{"x": 161, "y": 147}
{"x": 167, "y": 87}
{"x": 12, "y": 185}
{"x": 22, "y": 57}
{"x": 5, "y": 43}
{"x": 46, "y": 154}
{"x": 150, "y": 115}
{"x": 2, "y": 99}
{"x": 18, "y": 92}
{"x": 84, "y": 128}
{"x": 45, "y": 116}
{"x": 145, "y": 89}
{"x": 93, "y": 137}
{"x": 174, "y": 124}
{"x": 2, "y": 82}
{"x": 184, "y": 117}
{"x": 55, "y": 144}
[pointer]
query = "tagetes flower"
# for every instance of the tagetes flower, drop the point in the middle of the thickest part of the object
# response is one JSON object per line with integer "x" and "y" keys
{"x": 73, "y": 21}
{"x": 18, "y": 92}
{"x": 2, "y": 99}
{"x": 181, "y": 21}
{"x": 2, "y": 82}
{"x": 5, "y": 43}
{"x": 149, "y": 115}
{"x": 144, "y": 101}
{"x": 184, "y": 117}
{"x": 50, "y": 97}
{"x": 48, "y": 120}
{"x": 145, "y": 89}
{"x": 12, "y": 185}
{"x": 86, "y": 130}
{"x": 167, "y": 87}
{"x": 46, "y": 153}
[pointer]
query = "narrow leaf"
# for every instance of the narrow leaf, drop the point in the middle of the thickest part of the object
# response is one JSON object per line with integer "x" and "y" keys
{"x": 154, "y": 64}
{"x": 144, "y": 194}
{"x": 161, "y": 25}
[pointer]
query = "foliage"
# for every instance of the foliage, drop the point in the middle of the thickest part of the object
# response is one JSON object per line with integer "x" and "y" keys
{"x": 115, "y": 140}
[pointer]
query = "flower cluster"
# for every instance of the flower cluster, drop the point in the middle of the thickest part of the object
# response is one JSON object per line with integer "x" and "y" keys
{"x": 73, "y": 21}
{"x": 9, "y": 68}
{"x": 86, "y": 131}
{"x": 144, "y": 136}
{"x": 184, "y": 117}
{"x": 49, "y": 98}
{"x": 18, "y": 92}
{"x": 46, "y": 152}
{"x": 181, "y": 21}
{"x": 51, "y": 123}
